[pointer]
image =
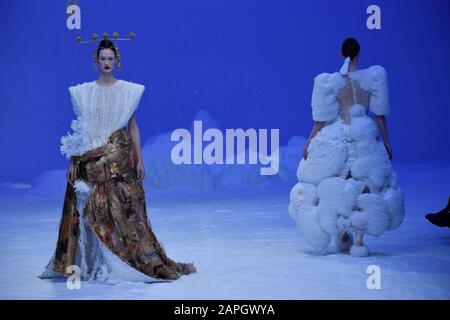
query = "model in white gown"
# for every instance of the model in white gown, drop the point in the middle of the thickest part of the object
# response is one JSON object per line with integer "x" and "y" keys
{"x": 346, "y": 183}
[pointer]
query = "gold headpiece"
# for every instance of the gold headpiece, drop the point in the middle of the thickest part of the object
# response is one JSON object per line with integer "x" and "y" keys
{"x": 116, "y": 38}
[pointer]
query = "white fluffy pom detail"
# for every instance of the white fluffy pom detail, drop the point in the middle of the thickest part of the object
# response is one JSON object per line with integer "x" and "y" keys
{"x": 359, "y": 251}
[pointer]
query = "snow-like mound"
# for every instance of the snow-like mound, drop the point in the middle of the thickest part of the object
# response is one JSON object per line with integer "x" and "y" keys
{"x": 50, "y": 185}
{"x": 162, "y": 174}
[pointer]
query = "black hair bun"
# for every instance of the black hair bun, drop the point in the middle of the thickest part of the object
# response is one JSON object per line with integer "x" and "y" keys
{"x": 350, "y": 48}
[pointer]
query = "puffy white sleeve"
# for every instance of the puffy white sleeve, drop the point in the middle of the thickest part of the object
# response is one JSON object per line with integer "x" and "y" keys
{"x": 135, "y": 94}
{"x": 325, "y": 106}
{"x": 379, "y": 99}
{"x": 75, "y": 99}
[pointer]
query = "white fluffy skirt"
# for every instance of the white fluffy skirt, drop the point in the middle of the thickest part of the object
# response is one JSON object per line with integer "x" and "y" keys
{"x": 346, "y": 184}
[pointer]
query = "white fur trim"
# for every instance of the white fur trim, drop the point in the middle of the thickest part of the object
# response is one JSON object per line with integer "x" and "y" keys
{"x": 325, "y": 106}
{"x": 395, "y": 204}
{"x": 372, "y": 216}
{"x": 359, "y": 251}
{"x": 379, "y": 100}
{"x": 302, "y": 194}
{"x": 326, "y": 158}
{"x": 309, "y": 226}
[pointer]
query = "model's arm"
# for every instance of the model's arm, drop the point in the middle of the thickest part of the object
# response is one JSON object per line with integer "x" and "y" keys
{"x": 133, "y": 129}
{"x": 71, "y": 171}
{"x": 317, "y": 126}
{"x": 381, "y": 121}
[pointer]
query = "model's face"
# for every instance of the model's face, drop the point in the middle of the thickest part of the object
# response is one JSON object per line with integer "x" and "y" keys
{"x": 106, "y": 60}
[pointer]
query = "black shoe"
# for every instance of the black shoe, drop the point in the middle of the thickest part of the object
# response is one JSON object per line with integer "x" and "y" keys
{"x": 441, "y": 218}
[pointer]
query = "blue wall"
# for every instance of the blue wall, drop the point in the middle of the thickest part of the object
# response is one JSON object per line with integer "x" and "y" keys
{"x": 248, "y": 63}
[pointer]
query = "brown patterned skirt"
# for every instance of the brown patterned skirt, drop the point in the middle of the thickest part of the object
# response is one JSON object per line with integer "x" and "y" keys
{"x": 116, "y": 211}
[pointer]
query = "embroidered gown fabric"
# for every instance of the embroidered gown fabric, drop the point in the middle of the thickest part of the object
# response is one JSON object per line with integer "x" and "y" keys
{"x": 347, "y": 182}
{"x": 104, "y": 228}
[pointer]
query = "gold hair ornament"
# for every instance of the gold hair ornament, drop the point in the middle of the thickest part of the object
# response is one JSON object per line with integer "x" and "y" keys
{"x": 105, "y": 35}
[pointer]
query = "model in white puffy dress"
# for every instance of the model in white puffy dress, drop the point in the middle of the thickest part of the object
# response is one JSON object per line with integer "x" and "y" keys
{"x": 346, "y": 183}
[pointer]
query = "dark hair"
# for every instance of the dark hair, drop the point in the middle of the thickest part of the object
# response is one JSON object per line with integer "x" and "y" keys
{"x": 107, "y": 44}
{"x": 350, "y": 48}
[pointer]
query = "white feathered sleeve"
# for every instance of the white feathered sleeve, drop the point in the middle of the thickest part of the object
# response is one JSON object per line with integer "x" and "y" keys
{"x": 77, "y": 143}
{"x": 379, "y": 99}
{"x": 325, "y": 106}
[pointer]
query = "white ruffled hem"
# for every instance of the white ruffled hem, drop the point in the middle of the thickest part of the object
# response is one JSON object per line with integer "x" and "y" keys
{"x": 96, "y": 262}
{"x": 79, "y": 142}
{"x": 359, "y": 251}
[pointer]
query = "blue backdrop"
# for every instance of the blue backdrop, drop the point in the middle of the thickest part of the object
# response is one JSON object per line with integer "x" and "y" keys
{"x": 248, "y": 63}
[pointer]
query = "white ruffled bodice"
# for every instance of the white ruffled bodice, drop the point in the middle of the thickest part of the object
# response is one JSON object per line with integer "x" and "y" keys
{"x": 367, "y": 87}
{"x": 100, "y": 111}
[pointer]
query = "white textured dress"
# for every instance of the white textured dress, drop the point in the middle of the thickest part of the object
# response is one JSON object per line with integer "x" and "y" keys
{"x": 347, "y": 182}
{"x": 100, "y": 111}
